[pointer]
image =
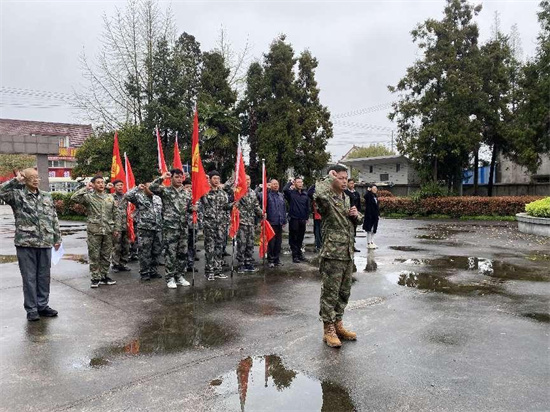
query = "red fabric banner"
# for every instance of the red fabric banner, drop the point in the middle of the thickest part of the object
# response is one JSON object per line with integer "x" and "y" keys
{"x": 267, "y": 232}
{"x": 130, "y": 183}
{"x": 161, "y": 163}
{"x": 117, "y": 171}
{"x": 199, "y": 182}
{"x": 177, "y": 159}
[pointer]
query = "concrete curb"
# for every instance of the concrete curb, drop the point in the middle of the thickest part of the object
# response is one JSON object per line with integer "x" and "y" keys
{"x": 533, "y": 225}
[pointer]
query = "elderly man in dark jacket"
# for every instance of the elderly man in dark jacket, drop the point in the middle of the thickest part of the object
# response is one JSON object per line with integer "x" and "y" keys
{"x": 276, "y": 216}
{"x": 298, "y": 212}
{"x": 372, "y": 213}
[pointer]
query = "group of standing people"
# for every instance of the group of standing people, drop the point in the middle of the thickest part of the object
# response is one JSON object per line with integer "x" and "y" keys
{"x": 167, "y": 222}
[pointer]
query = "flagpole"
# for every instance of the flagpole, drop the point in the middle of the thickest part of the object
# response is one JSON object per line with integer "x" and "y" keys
{"x": 194, "y": 253}
{"x": 264, "y": 202}
{"x": 233, "y": 255}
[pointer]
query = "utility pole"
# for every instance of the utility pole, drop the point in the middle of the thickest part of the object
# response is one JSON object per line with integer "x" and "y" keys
{"x": 391, "y": 144}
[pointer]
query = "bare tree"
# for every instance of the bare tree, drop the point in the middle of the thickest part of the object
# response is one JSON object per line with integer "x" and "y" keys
{"x": 236, "y": 61}
{"x": 119, "y": 82}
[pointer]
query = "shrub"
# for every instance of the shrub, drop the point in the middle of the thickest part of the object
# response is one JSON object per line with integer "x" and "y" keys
{"x": 65, "y": 206}
{"x": 429, "y": 190}
{"x": 457, "y": 206}
{"x": 384, "y": 193}
{"x": 539, "y": 208}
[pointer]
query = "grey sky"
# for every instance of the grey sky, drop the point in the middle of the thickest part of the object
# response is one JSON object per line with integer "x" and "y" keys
{"x": 361, "y": 46}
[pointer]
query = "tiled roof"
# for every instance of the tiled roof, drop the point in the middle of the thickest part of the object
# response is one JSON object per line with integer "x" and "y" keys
{"x": 77, "y": 132}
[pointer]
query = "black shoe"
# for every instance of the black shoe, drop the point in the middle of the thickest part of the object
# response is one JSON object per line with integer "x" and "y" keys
{"x": 303, "y": 259}
{"x": 356, "y": 250}
{"x": 250, "y": 269}
{"x": 155, "y": 275}
{"x": 226, "y": 254}
{"x": 197, "y": 258}
{"x": 115, "y": 269}
{"x": 107, "y": 281}
{"x": 189, "y": 269}
{"x": 94, "y": 284}
{"x": 296, "y": 260}
{"x": 279, "y": 264}
{"x": 124, "y": 268}
{"x": 48, "y": 312}
{"x": 241, "y": 269}
{"x": 33, "y": 316}
{"x": 145, "y": 278}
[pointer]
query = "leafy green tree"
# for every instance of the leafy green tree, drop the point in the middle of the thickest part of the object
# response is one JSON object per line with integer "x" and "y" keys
{"x": 314, "y": 120}
{"x": 373, "y": 150}
{"x": 438, "y": 95}
{"x": 11, "y": 162}
{"x": 279, "y": 131}
{"x": 531, "y": 132}
{"x": 95, "y": 155}
{"x": 217, "y": 115}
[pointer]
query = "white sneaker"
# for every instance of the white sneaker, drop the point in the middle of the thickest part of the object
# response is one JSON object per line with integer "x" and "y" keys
{"x": 171, "y": 284}
{"x": 370, "y": 246}
{"x": 182, "y": 282}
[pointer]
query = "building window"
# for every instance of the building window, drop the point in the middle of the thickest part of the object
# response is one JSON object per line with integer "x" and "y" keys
{"x": 541, "y": 179}
{"x": 384, "y": 177}
{"x": 371, "y": 169}
{"x": 397, "y": 167}
{"x": 64, "y": 141}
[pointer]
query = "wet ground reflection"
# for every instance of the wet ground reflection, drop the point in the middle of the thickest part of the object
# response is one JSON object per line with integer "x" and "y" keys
{"x": 8, "y": 259}
{"x": 264, "y": 383}
{"x": 431, "y": 282}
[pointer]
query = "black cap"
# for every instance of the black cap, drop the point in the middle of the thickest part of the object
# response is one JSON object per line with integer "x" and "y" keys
{"x": 114, "y": 182}
{"x": 213, "y": 173}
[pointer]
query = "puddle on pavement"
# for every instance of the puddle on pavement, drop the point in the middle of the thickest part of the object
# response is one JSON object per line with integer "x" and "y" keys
{"x": 435, "y": 283}
{"x": 407, "y": 249}
{"x": 264, "y": 383}
{"x": 539, "y": 316}
{"x": 432, "y": 236}
{"x": 77, "y": 258}
{"x": 8, "y": 259}
{"x": 486, "y": 267}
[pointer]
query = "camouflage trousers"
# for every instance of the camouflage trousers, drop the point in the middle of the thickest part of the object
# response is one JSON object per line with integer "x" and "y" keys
{"x": 335, "y": 288}
{"x": 100, "y": 248}
{"x": 175, "y": 252}
{"x": 150, "y": 248}
{"x": 214, "y": 239}
{"x": 245, "y": 244}
{"x": 121, "y": 249}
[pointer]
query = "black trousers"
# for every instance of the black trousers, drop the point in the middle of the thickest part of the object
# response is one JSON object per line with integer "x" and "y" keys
{"x": 296, "y": 232}
{"x": 274, "y": 245}
{"x": 34, "y": 264}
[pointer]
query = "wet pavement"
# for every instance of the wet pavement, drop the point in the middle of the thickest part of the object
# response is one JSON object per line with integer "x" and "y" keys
{"x": 450, "y": 316}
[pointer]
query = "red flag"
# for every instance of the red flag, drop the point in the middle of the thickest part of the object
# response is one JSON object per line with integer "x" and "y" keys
{"x": 117, "y": 172}
{"x": 240, "y": 191}
{"x": 162, "y": 164}
{"x": 130, "y": 183}
{"x": 267, "y": 232}
{"x": 177, "y": 159}
{"x": 199, "y": 182}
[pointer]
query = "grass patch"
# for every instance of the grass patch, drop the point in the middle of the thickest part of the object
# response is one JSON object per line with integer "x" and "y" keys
{"x": 75, "y": 218}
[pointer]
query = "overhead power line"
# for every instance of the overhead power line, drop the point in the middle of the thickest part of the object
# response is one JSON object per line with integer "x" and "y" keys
{"x": 366, "y": 110}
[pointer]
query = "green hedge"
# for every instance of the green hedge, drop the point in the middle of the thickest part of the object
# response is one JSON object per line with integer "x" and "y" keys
{"x": 65, "y": 207}
{"x": 456, "y": 206}
{"x": 539, "y": 208}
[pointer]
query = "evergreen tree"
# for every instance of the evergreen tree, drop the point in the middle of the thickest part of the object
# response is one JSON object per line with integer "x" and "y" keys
{"x": 314, "y": 120}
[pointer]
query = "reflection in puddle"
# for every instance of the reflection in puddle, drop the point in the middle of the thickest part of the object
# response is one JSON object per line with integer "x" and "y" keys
{"x": 371, "y": 265}
{"x": 264, "y": 383}
{"x": 432, "y": 236}
{"x": 407, "y": 248}
{"x": 426, "y": 281}
{"x": 8, "y": 258}
{"x": 487, "y": 267}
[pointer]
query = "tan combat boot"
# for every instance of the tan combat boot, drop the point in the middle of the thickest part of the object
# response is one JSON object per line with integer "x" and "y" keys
{"x": 330, "y": 336}
{"x": 343, "y": 333}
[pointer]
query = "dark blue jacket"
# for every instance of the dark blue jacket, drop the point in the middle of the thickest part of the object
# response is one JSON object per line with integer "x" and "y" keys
{"x": 275, "y": 207}
{"x": 298, "y": 203}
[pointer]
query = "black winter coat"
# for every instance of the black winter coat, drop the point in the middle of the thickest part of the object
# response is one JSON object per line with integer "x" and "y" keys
{"x": 372, "y": 212}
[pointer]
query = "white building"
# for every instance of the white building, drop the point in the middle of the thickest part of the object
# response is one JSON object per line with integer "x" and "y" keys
{"x": 384, "y": 170}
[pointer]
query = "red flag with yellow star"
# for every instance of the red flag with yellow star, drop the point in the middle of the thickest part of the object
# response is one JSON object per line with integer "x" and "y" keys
{"x": 117, "y": 171}
{"x": 199, "y": 182}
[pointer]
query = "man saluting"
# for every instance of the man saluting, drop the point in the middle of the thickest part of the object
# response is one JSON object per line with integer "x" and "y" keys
{"x": 36, "y": 231}
{"x": 336, "y": 264}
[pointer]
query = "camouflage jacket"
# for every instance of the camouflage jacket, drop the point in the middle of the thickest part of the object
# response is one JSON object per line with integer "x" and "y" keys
{"x": 216, "y": 206}
{"x": 36, "y": 223}
{"x": 149, "y": 209}
{"x": 176, "y": 204}
{"x": 249, "y": 208}
{"x": 103, "y": 213}
{"x": 122, "y": 204}
{"x": 338, "y": 227}
{"x": 200, "y": 217}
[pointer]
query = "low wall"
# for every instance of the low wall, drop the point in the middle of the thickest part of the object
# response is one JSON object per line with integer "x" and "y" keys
{"x": 533, "y": 225}
{"x": 510, "y": 189}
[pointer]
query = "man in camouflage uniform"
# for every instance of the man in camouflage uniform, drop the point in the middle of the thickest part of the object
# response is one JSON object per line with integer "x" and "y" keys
{"x": 121, "y": 245}
{"x": 193, "y": 231}
{"x": 103, "y": 225}
{"x": 336, "y": 264}
{"x": 176, "y": 207}
{"x": 36, "y": 232}
{"x": 215, "y": 205}
{"x": 249, "y": 208}
{"x": 149, "y": 228}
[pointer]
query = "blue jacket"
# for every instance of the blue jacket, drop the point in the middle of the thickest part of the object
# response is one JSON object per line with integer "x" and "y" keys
{"x": 275, "y": 208}
{"x": 298, "y": 203}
